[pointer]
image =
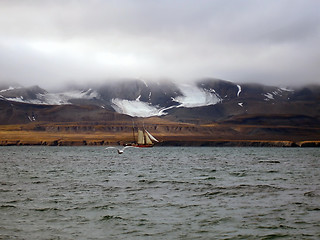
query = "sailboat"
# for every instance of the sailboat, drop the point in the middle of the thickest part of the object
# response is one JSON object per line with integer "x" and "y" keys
{"x": 145, "y": 139}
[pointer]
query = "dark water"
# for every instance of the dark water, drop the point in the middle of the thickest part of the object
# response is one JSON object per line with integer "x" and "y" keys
{"x": 159, "y": 193}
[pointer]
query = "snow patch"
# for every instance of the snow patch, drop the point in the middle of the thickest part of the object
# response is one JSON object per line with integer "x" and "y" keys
{"x": 287, "y": 90}
{"x": 269, "y": 96}
{"x": 17, "y": 99}
{"x": 57, "y": 98}
{"x": 31, "y": 118}
{"x": 89, "y": 94}
{"x": 10, "y": 88}
{"x": 135, "y": 108}
{"x": 276, "y": 93}
{"x": 196, "y": 97}
{"x": 212, "y": 90}
{"x": 239, "y": 90}
{"x": 162, "y": 111}
{"x": 145, "y": 83}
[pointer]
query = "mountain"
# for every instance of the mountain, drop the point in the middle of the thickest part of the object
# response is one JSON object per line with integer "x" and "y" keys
{"x": 205, "y": 101}
{"x": 241, "y": 103}
{"x": 206, "y": 112}
{"x": 21, "y": 94}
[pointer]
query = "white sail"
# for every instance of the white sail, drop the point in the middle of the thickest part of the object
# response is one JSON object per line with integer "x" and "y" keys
{"x": 140, "y": 137}
{"x": 151, "y": 137}
{"x": 147, "y": 139}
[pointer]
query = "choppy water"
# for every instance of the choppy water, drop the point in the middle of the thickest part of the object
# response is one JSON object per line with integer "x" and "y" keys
{"x": 159, "y": 193}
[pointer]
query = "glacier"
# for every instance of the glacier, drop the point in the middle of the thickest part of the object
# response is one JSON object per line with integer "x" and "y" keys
{"x": 192, "y": 97}
{"x": 135, "y": 108}
{"x": 196, "y": 97}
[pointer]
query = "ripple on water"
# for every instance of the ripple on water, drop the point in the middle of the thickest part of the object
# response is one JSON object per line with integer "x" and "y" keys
{"x": 159, "y": 193}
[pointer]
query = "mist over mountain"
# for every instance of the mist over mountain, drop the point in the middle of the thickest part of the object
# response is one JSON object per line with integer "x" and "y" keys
{"x": 207, "y": 100}
{"x": 49, "y": 43}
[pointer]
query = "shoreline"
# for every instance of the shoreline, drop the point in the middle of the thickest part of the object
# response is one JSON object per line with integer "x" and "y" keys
{"x": 69, "y": 134}
{"x": 187, "y": 143}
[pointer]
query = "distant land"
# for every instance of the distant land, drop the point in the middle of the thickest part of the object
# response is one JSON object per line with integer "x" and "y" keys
{"x": 209, "y": 112}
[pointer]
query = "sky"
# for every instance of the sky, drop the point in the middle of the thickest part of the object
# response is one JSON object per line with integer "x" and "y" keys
{"x": 53, "y": 42}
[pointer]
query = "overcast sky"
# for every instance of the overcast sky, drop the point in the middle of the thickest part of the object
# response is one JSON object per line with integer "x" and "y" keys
{"x": 266, "y": 41}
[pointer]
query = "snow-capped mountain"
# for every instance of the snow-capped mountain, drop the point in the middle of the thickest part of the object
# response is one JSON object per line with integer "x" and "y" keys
{"x": 134, "y": 98}
{"x": 204, "y": 100}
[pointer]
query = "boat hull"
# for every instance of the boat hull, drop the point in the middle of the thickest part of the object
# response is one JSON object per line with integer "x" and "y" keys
{"x": 139, "y": 145}
{"x": 144, "y": 145}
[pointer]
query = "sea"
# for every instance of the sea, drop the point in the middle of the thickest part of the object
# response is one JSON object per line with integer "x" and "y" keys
{"x": 159, "y": 193}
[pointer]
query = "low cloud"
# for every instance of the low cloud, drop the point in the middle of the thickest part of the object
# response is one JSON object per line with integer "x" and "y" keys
{"x": 51, "y": 42}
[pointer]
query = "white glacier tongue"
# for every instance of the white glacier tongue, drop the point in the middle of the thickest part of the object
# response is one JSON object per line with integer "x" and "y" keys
{"x": 196, "y": 97}
{"x": 192, "y": 97}
{"x": 135, "y": 108}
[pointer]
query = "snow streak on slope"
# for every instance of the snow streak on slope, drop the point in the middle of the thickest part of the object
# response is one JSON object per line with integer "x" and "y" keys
{"x": 239, "y": 90}
{"x": 10, "y": 88}
{"x": 279, "y": 92}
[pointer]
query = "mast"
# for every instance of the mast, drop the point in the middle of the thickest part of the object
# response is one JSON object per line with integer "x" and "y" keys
{"x": 133, "y": 131}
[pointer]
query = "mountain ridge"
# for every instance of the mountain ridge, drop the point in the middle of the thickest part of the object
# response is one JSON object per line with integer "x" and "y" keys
{"x": 206, "y": 112}
{"x": 207, "y": 99}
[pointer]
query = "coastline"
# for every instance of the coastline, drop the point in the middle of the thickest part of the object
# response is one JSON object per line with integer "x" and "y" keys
{"x": 72, "y": 134}
{"x": 244, "y": 143}
{"x": 113, "y": 141}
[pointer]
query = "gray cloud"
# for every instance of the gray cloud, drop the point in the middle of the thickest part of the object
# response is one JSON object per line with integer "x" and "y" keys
{"x": 269, "y": 41}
